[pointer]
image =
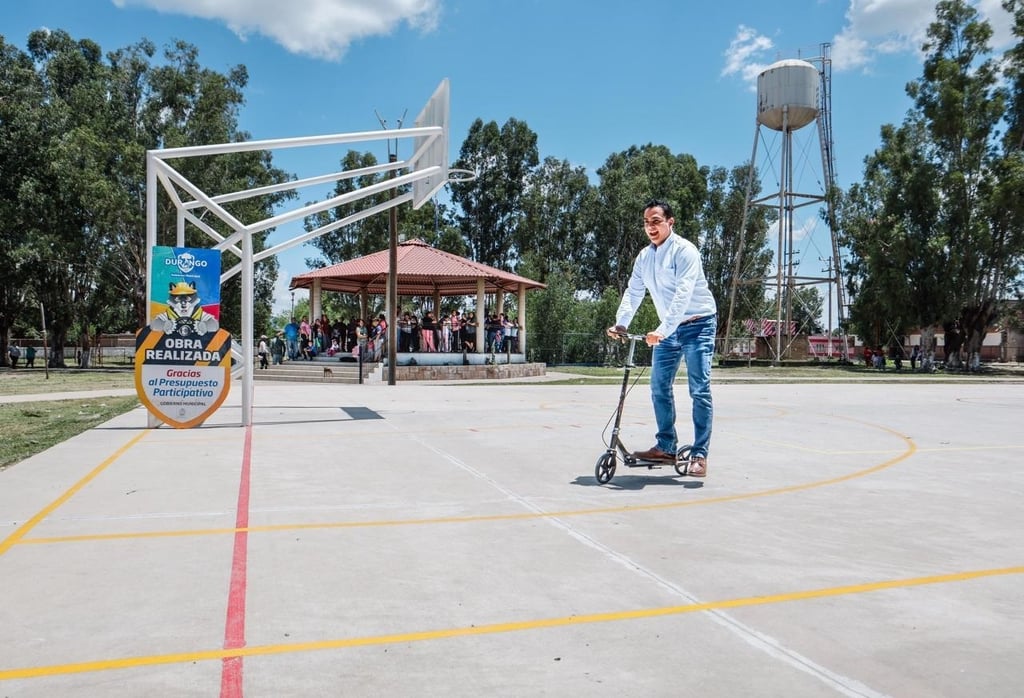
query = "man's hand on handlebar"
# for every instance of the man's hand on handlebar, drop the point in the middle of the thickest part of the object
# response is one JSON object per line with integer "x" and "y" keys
{"x": 617, "y": 332}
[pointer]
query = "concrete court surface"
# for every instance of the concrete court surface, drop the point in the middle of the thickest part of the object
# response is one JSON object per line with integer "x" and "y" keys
{"x": 451, "y": 540}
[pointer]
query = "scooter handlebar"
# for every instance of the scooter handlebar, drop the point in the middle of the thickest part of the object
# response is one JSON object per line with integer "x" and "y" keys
{"x": 626, "y": 335}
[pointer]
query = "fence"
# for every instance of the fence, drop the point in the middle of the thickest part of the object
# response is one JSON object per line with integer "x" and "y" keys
{"x": 586, "y": 348}
{"x": 112, "y": 351}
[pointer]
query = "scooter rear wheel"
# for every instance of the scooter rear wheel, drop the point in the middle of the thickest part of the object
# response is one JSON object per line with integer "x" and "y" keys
{"x": 683, "y": 459}
{"x": 605, "y": 468}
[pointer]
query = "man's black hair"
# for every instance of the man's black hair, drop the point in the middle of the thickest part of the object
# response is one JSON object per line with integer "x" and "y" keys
{"x": 657, "y": 203}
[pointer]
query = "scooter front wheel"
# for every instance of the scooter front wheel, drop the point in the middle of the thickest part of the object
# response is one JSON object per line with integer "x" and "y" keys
{"x": 605, "y": 468}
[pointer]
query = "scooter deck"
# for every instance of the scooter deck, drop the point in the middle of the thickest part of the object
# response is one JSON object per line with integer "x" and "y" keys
{"x": 651, "y": 464}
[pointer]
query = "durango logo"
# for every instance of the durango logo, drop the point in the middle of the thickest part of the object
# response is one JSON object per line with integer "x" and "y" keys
{"x": 185, "y": 262}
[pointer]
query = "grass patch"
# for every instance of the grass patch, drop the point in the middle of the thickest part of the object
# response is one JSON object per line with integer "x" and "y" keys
{"x": 32, "y": 427}
{"x": 602, "y": 374}
{"x": 31, "y": 381}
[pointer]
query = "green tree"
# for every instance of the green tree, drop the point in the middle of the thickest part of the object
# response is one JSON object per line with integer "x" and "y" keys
{"x": 959, "y": 99}
{"x": 890, "y": 224}
{"x": 925, "y": 224}
{"x": 805, "y": 309}
{"x": 22, "y": 161}
{"x": 69, "y": 192}
{"x": 721, "y": 220}
{"x": 362, "y": 237}
{"x": 193, "y": 105}
{"x": 548, "y": 315}
{"x": 1014, "y": 73}
{"x": 431, "y": 223}
{"x": 1007, "y": 203}
{"x": 82, "y": 251}
{"x": 554, "y": 222}
{"x": 491, "y": 206}
{"x": 627, "y": 181}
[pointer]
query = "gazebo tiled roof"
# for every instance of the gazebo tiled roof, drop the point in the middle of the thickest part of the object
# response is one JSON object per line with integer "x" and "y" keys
{"x": 422, "y": 271}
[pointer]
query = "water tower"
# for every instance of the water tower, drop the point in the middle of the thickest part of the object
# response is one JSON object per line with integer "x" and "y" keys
{"x": 791, "y": 94}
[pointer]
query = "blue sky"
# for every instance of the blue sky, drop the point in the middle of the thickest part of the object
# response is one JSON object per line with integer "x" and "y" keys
{"x": 590, "y": 77}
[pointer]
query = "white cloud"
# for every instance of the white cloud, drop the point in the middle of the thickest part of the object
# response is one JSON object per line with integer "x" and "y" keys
{"x": 318, "y": 28}
{"x": 803, "y": 229}
{"x": 872, "y": 28}
{"x": 1001, "y": 21}
{"x": 880, "y": 27}
{"x": 743, "y": 53}
{"x": 876, "y": 27}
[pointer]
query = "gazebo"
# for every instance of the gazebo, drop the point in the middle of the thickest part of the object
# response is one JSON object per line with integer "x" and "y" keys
{"x": 422, "y": 271}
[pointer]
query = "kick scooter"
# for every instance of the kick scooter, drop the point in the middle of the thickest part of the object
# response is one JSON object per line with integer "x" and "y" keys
{"x": 605, "y": 468}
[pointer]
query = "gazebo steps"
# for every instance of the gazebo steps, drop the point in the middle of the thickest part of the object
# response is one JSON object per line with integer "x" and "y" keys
{"x": 316, "y": 371}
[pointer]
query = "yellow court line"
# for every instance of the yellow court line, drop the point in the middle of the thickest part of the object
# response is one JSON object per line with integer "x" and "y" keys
{"x": 957, "y": 449}
{"x": 520, "y": 516}
{"x": 18, "y": 535}
{"x": 493, "y": 628}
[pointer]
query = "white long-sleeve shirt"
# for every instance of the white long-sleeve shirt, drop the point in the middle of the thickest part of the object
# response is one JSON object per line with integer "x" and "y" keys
{"x": 673, "y": 274}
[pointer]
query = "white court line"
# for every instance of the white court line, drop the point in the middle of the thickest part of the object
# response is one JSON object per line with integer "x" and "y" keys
{"x": 842, "y": 684}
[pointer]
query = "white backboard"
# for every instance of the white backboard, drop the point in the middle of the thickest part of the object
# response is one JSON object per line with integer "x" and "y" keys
{"x": 431, "y": 151}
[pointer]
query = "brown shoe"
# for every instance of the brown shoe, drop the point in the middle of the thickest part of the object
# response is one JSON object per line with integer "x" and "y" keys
{"x": 655, "y": 454}
{"x": 697, "y": 467}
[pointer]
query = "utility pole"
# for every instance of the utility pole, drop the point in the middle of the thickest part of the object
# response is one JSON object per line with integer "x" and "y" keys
{"x": 46, "y": 356}
{"x": 392, "y": 294}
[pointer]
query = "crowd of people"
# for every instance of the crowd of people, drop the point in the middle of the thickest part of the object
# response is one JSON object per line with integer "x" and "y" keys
{"x": 452, "y": 332}
{"x": 876, "y": 357}
{"x": 456, "y": 332}
{"x": 305, "y": 340}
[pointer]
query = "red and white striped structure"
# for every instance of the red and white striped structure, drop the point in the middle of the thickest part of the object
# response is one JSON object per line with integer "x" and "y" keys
{"x": 766, "y": 328}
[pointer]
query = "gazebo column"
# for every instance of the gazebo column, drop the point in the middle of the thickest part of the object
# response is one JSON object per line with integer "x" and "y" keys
{"x": 364, "y": 307}
{"x": 314, "y": 301}
{"x": 481, "y": 318}
{"x": 521, "y": 307}
{"x": 437, "y": 304}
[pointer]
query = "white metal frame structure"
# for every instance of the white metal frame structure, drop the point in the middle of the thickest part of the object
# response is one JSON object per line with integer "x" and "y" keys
{"x": 427, "y": 171}
{"x": 786, "y": 201}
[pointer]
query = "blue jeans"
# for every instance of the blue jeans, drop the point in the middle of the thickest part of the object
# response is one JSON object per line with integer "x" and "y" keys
{"x": 695, "y": 342}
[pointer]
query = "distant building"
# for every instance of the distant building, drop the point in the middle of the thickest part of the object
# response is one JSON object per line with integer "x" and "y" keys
{"x": 1000, "y": 344}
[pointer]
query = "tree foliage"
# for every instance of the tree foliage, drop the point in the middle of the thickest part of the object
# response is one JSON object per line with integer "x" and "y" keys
{"x": 431, "y": 222}
{"x": 934, "y": 229}
{"x": 554, "y": 225}
{"x": 22, "y": 140}
{"x": 1013, "y": 69}
{"x": 723, "y": 246}
{"x": 193, "y": 105}
{"x": 492, "y": 203}
{"x": 628, "y": 180}
{"x": 75, "y": 125}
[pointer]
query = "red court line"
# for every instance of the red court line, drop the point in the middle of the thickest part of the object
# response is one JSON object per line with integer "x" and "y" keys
{"x": 234, "y": 629}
